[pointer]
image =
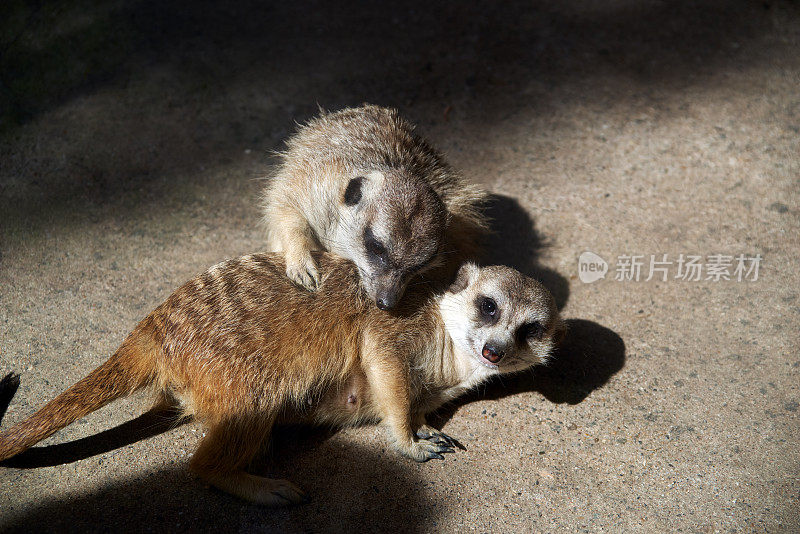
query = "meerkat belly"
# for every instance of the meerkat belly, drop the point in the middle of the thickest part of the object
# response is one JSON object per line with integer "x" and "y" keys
{"x": 345, "y": 403}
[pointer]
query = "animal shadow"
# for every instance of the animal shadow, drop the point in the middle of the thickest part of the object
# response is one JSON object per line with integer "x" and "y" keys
{"x": 352, "y": 488}
{"x": 587, "y": 358}
{"x": 149, "y": 424}
{"x": 514, "y": 241}
{"x": 320, "y": 460}
{"x": 8, "y": 388}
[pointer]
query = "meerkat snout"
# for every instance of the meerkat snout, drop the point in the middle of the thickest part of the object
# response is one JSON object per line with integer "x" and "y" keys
{"x": 404, "y": 222}
{"x": 386, "y": 298}
{"x": 492, "y": 353}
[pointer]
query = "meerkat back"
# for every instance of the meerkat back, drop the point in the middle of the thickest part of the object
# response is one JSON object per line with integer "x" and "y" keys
{"x": 362, "y": 184}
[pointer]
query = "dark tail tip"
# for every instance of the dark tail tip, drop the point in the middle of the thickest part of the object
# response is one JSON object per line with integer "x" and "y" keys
{"x": 8, "y": 388}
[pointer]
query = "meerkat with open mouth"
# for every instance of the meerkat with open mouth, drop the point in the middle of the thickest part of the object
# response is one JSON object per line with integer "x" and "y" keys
{"x": 241, "y": 348}
{"x": 363, "y": 185}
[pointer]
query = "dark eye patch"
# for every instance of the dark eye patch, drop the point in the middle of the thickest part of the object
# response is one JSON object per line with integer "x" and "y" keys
{"x": 374, "y": 247}
{"x": 488, "y": 308}
{"x": 530, "y": 331}
{"x": 352, "y": 195}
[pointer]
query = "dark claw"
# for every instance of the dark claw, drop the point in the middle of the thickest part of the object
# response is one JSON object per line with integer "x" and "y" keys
{"x": 453, "y": 442}
{"x": 436, "y": 455}
{"x": 440, "y": 438}
{"x": 457, "y": 444}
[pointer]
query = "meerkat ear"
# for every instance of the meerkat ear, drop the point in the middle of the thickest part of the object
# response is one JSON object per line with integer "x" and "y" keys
{"x": 466, "y": 274}
{"x": 352, "y": 195}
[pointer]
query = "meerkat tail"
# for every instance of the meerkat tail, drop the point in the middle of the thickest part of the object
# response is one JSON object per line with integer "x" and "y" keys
{"x": 121, "y": 375}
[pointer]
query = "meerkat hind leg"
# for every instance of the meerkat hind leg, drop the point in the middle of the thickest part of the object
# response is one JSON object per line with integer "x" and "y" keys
{"x": 226, "y": 450}
{"x": 165, "y": 402}
{"x": 260, "y": 490}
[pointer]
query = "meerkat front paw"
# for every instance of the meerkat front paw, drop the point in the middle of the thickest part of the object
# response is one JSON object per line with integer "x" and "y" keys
{"x": 437, "y": 436}
{"x": 302, "y": 270}
{"x": 423, "y": 450}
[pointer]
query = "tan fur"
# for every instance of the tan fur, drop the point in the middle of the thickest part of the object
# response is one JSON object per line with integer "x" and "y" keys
{"x": 405, "y": 183}
{"x": 241, "y": 348}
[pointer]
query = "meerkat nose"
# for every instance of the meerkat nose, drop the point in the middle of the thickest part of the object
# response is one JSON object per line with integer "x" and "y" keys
{"x": 492, "y": 354}
{"x": 386, "y": 301}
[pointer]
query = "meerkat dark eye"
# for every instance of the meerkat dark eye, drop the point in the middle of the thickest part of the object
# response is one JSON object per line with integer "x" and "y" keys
{"x": 488, "y": 307}
{"x": 530, "y": 332}
{"x": 352, "y": 195}
{"x": 376, "y": 248}
{"x": 373, "y": 246}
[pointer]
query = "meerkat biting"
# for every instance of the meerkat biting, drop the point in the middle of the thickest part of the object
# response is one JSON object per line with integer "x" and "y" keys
{"x": 363, "y": 185}
{"x": 241, "y": 348}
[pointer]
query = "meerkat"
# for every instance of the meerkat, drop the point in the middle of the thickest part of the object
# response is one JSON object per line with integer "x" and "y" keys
{"x": 360, "y": 183}
{"x": 241, "y": 348}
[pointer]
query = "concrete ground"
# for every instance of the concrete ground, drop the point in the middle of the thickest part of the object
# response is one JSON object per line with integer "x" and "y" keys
{"x": 134, "y": 134}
